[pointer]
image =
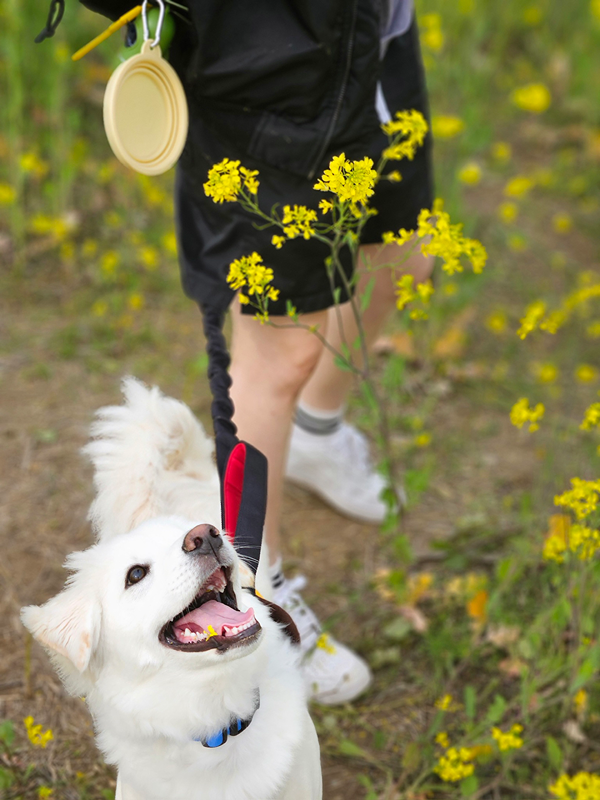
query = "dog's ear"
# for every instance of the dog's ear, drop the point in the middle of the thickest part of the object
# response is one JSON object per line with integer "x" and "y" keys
{"x": 67, "y": 625}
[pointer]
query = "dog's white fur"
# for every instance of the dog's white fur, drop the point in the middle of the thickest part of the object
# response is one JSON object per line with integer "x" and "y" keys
{"x": 155, "y": 480}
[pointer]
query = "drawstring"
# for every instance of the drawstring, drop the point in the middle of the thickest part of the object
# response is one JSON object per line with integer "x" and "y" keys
{"x": 57, "y": 10}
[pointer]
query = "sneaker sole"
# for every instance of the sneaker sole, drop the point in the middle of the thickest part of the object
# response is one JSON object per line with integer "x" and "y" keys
{"x": 336, "y": 506}
{"x": 352, "y": 691}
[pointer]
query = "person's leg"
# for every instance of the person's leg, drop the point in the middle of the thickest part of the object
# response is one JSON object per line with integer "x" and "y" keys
{"x": 269, "y": 366}
{"x": 328, "y": 386}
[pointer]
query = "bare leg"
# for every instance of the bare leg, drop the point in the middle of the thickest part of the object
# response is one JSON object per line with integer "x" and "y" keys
{"x": 328, "y": 386}
{"x": 268, "y": 369}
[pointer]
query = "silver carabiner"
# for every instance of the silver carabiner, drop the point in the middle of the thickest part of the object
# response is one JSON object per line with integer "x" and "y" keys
{"x": 161, "y": 17}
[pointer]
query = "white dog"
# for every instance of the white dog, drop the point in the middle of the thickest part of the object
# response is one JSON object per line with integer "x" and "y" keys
{"x": 195, "y": 690}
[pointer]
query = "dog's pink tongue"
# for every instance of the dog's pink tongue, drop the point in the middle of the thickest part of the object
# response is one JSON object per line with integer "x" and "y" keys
{"x": 215, "y": 614}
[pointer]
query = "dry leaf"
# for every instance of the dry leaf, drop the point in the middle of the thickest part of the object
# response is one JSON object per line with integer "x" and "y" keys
{"x": 401, "y": 344}
{"x": 512, "y": 667}
{"x": 416, "y": 618}
{"x": 573, "y": 731}
{"x": 503, "y": 635}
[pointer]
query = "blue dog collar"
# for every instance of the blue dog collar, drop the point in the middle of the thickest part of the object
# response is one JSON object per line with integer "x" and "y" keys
{"x": 237, "y": 726}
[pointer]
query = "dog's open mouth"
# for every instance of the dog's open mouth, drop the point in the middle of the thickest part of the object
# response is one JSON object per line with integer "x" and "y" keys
{"x": 212, "y": 620}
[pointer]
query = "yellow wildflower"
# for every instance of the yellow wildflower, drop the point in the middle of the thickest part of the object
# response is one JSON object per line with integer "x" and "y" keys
{"x": 582, "y": 786}
{"x": 352, "y": 181}
{"x": 501, "y": 151}
{"x": 432, "y": 36}
{"x": 508, "y": 212}
{"x": 135, "y": 301}
{"x": 593, "y": 330}
{"x": 211, "y": 632}
{"x": 169, "y": 242}
{"x": 224, "y": 181}
{"x": 455, "y": 764}
{"x": 149, "y": 256}
{"x": 325, "y": 206}
{"x": 109, "y": 262}
{"x": 423, "y": 439}
{"x": 521, "y": 413}
{"x": 447, "y": 241}
{"x": 32, "y": 164}
{"x": 562, "y": 222}
{"x": 582, "y": 498}
{"x": 251, "y": 274}
{"x": 100, "y": 308}
{"x": 394, "y": 176}
{"x": 533, "y": 316}
{"x": 444, "y": 702}
{"x": 532, "y": 15}
{"x": 324, "y": 643}
{"x": 412, "y": 127}
{"x": 425, "y": 290}
{"x": 586, "y": 373}
{"x": 497, "y": 322}
{"x": 509, "y": 740}
{"x": 297, "y": 221}
{"x": 545, "y": 373}
{"x": 533, "y": 97}
{"x": 405, "y": 292}
{"x": 45, "y": 791}
{"x": 591, "y": 418}
{"x": 278, "y": 241}
{"x": 446, "y": 127}
{"x": 442, "y": 739}
{"x": 470, "y": 173}
{"x": 518, "y": 186}
{"x": 8, "y": 194}
{"x": 580, "y": 702}
{"x": 89, "y": 248}
{"x": 35, "y": 734}
{"x": 249, "y": 179}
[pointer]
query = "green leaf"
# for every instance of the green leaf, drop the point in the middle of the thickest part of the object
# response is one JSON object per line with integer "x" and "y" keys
{"x": 342, "y": 363}
{"x": 470, "y": 702}
{"x": 586, "y": 672}
{"x": 7, "y": 732}
{"x": 397, "y": 630}
{"x": 336, "y": 295}
{"x": 6, "y": 778}
{"x": 469, "y": 785}
{"x": 411, "y": 758}
{"x": 555, "y": 756}
{"x": 365, "y": 300}
{"x": 348, "y": 748}
{"x": 496, "y": 710}
{"x": 199, "y": 365}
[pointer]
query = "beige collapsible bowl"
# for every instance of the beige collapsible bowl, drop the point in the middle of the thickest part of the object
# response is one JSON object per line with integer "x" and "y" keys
{"x": 145, "y": 112}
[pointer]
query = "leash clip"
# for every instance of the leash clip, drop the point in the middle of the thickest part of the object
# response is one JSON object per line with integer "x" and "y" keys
{"x": 159, "y": 24}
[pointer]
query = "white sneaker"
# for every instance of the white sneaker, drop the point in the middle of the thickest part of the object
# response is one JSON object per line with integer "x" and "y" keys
{"x": 337, "y": 468}
{"x": 333, "y": 674}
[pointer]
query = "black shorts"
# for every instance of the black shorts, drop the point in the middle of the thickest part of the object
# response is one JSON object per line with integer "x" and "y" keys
{"x": 211, "y": 236}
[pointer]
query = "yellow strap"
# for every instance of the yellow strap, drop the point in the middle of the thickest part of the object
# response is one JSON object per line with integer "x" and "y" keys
{"x": 128, "y": 17}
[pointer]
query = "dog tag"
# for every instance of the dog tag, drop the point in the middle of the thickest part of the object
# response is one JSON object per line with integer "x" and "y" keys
{"x": 145, "y": 110}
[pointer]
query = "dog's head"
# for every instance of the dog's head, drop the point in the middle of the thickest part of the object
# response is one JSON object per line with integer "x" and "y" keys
{"x": 165, "y": 594}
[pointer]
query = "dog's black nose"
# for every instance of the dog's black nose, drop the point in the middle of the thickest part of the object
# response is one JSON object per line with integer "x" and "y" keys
{"x": 202, "y": 540}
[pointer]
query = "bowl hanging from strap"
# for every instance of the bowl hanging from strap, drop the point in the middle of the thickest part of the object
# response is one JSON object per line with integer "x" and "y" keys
{"x": 145, "y": 108}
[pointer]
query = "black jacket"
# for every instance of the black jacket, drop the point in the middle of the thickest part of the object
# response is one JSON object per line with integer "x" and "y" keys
{"x": 278, "y": 80}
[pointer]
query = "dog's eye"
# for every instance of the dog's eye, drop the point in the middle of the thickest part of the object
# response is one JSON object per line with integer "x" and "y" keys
{"x": 136, "y": 574}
